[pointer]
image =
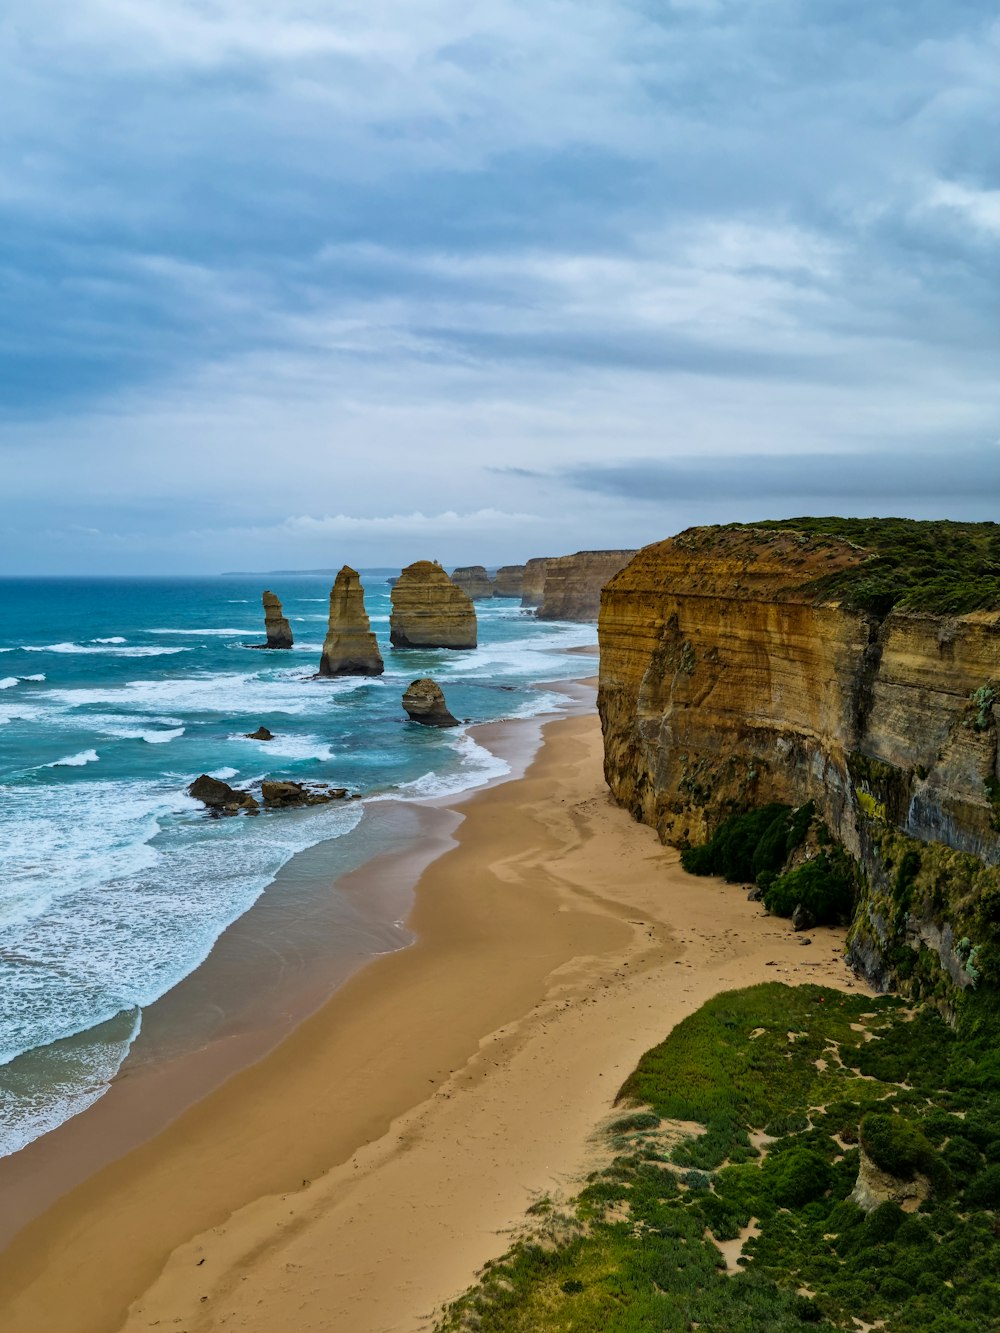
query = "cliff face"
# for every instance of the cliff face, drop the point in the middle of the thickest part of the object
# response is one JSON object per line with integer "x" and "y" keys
{"x": 533, "y": 581}
{"x": 350, "y": 647}
{"x": 430, "y": 611}
{"x": 509, "y": 581}
{"x": 474, "y": 581}
{"x": 573, "y": 583}
{"x": 276, "y": 627}
{"x": 723, "y": 684}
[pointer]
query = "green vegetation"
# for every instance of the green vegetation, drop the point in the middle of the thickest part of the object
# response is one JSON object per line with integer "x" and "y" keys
{"x": 756, "y": 845}
{"x": 943, "y": 567}
{"x": 818, "y": 1071}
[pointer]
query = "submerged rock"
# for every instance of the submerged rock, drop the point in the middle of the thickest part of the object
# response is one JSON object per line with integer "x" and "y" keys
{"x": 350, "y": 647}
{"x": 474, "y": 581}
{"x": 261, "y": 734}
{"x": 277, "y": 628}
{"x": 429, "y": 611}
{"x": 220, "y": 797}
{"x": 424, "y": 702}
{"x": 282, "y": 795}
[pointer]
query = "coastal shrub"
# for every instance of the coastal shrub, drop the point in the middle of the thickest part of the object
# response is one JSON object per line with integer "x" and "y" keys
{"x": 896, "y": 1145}
{"x": 795, "y": 1178}
{"x": 751, "y": 845}
{"x": 984, "y": 1192}
{"x": 824, "y": 886}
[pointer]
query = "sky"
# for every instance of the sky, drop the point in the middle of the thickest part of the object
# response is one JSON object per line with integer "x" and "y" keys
{"x": 288, "y": 283}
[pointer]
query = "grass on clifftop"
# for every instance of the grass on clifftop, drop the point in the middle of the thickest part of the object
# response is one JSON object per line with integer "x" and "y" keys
{"x": 944, "y": 567}
{"x": 814, "y": 1070}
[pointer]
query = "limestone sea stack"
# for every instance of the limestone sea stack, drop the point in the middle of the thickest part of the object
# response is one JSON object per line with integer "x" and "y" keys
{"x": 474, "y": 581}
{"x": 277, "y": 628}
{"x": 573, "y": 583}
{"x": 429, "y": 611}
{"x": 424, "y": 702}
{"x": 350, "y": 647}
{"x": 533, "y": 581}
{"x": 509, "y": 581}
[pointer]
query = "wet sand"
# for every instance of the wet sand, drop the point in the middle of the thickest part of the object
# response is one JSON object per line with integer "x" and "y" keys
{"x": 357, "y": 1175}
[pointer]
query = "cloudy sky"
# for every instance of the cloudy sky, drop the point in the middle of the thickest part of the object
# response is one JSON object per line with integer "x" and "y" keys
{"x": 285, "y": 283}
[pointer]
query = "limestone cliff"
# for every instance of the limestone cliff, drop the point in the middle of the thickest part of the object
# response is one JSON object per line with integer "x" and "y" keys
{"x": 509, "y": 581}
{"x": 533, "y": 581}
{"x": 350, "y": 647}
{"x": 474, "y": 581}
{"x": 724, "y": 681}
{"x": 276, "y": 627}
{"x": 430, "y": 611}
{"x": 573, "y": 583}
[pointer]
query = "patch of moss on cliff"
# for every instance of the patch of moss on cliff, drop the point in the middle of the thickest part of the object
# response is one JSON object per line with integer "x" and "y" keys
{"x": 944, "y": 567}
{"x": 816, "y": 1071}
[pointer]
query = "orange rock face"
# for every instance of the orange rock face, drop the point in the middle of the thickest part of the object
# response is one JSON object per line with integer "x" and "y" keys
{"x": 723, "y": 683}
{"x": 350, "y": 647}
{"x": 429, "y": 611}
{"x": 509, "y": 581}
{"x": 474, "y": 581}
{"x": 573, "y": 583}
{"x": 533, "y": 581}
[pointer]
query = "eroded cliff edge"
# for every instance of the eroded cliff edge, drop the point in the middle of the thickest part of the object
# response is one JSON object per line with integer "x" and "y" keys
{"x": 727, "y": 681}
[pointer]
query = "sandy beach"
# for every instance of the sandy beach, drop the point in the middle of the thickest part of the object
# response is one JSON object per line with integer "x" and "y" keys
{"x": 357, "y": 1175}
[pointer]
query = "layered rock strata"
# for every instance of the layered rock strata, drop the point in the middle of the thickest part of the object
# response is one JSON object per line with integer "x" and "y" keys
{"x": 276, "y": 627}
{"x": 474, "y": 581}
{"x": 573, "y": 583}
{"x": 509, "y": 581}
{"x": 724, "y": 683}
{"x": 350, "y": 648}
{"x": 424, "y": 702}
{"x": 430, "y": 611}
{"x": 533, "y": 581}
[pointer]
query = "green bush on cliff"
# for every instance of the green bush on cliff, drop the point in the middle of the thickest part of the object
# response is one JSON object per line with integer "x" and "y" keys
{"x": 824, "y": 886}
{"x": 944, "y": 567}
{"x": 896, "y": 1146}
{"x": 752, "y": 845}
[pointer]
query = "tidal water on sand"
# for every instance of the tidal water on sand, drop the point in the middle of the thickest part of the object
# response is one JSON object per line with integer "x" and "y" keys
{"x": 114, "y": 695}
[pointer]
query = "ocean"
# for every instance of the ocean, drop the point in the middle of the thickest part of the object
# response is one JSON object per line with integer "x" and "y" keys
{"x": 114, "y": 695}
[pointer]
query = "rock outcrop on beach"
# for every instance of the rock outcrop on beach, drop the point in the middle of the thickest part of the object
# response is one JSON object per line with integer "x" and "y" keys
{"x": 533, "y": 581}
{"x": 509, "y": 581}
{"x": 284, "y": 795}
{"x": 424, "y": 702}
{"x": 727, "y": 680}
{"x": 573, "y": 583}
{"x": 430, "y": 611}
{"x": 350, "y": 647}
{"x": 220, "y": 798}
{"x": 474, "y": 581}
{"x": 276, "y": 627}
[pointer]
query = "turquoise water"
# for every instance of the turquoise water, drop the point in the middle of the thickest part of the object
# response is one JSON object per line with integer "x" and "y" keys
{"x": 114, "y": 695}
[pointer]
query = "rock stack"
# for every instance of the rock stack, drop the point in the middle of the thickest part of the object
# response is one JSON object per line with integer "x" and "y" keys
{"x": 424, "y": 702}
{"x": 509, "y": 581}
{"x": 277, "y": 628}
{"x": 429, "y": 611}
{"x": 474, "y": 581}
{"x": 350, "y": 647}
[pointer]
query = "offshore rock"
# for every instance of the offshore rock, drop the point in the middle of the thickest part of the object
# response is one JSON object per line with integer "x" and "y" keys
{"x": 277, "y": 628}
{"x": 424, "y": 702}
{"x": 261, "y": 734}
{"x": 220, "y": 798}
{"x": 573, "y": 583}
{"x": 474, "y": 581}
{"x": 533, "y": 581}
{"x": 726, "y": 682}
{"x": 280, "y": 795}
{"x": 429, "y": 611}
{"x": 350, "y": 647}
{"x": 509, "y": 581}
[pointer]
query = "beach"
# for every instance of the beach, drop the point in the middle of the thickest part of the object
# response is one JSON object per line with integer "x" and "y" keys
{"x": 357, "y": 1173}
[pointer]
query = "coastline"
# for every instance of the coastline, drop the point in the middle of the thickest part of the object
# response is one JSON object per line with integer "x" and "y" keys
{"x": 514, "y": 1006}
